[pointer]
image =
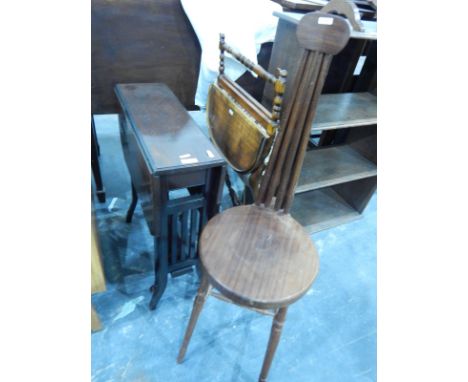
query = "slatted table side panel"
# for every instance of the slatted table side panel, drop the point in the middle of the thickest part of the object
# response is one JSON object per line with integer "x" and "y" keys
{"x": 185, "y": 218}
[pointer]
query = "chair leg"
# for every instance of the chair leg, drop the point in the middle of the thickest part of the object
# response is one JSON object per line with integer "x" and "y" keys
{"x": 197, "y": 308}
{"x": 275, "y": 335}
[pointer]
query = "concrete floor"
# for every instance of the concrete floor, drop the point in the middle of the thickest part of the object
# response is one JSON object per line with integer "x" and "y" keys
{"x": 329, "y": 335}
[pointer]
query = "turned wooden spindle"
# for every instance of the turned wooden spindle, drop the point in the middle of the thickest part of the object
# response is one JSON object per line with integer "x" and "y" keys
{"x": 264, "y": 186}
{"x": 280, "y": 85}
{"x": 221, "y": 53}
{"x": 275, "y": 335}
{"x": 301, "y": 151}
{"x": 257, "y": 69}
{"x": 203, "y": 290}
{"x": 288, "y": 163}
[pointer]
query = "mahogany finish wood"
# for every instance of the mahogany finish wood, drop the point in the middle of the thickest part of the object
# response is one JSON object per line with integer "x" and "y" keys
{"x": 275, "y": 334}
{"x": 165, "y": 150}
{"x": 141, "y": 41}
{"x": 267, "y": 260}
{"x": 95, "y": 166}
{"x": 236, "y": 134}
{"x": 261, "y": 114}
{"x": 196, "y": 310}
{"x": 313, "y": 34}
{"x": 257, "y": 255}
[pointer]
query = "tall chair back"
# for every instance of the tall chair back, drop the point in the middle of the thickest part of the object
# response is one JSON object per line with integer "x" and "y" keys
{"x": 322, "y": 36}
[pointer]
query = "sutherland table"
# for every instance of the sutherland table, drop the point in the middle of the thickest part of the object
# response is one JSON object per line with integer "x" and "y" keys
{"x": 165, "y": 150}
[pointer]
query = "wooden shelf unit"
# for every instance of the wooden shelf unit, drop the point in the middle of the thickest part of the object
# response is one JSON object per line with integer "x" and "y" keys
{"x": 332, "y": 165}
{"x": 340, "y": 175}
{"x": 344, "y": 110}
{"x": 328, "y": 207}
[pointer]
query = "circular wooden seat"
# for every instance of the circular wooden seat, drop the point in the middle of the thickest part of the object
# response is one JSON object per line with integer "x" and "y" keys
{"x": 258, "y": 257}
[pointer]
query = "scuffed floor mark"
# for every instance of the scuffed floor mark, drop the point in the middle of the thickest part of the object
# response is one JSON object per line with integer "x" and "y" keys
{"x": 360, "y": 338}
{"x": 99, "y": 371}
{"x": 362, "y": 373}
{"x": 128, "y": 308}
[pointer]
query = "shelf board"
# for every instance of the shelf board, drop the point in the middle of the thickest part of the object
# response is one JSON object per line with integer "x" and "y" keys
{"x": 321, "y": 209}
{"x": 327, "y": 166}
{"x": 344, "y": 110}
{"x": 334, "y": 111}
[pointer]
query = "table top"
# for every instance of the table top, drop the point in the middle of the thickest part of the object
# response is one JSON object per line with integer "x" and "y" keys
{"x": 169, "y": 138}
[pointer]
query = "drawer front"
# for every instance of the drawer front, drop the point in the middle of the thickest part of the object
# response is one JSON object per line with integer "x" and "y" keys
{"x": 138, "y": 169}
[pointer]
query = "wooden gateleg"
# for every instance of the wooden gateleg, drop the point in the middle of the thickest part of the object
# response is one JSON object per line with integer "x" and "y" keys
{"x": 275, "y": 335}
{"x": 196, "y": 310}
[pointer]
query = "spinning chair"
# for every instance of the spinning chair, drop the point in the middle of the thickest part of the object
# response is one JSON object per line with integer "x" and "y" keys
{"x": 258, "y": 256}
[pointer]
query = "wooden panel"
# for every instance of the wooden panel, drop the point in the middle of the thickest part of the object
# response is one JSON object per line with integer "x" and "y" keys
{"x": 141, "y": 41}
{"x": 333, "y": 165}
{"x": 321, "y": 209}
{"x": 242, "y": 141}
{"x": 95, "y": 322}
{"x": 258, "y": 111}
{"x": 322, "y": 32}
{"x": 337, "y": 111}
{"x": 164, "y": 129}
{"x": 364, "y": 140}
{"x": 357, "y": 194}
{"x": 258, "y": 257}
{"x": 98, "y": 282}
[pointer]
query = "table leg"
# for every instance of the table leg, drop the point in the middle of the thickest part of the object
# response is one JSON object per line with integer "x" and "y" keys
{"x": 214, "y": 190}
{"x": 161, "y": 267}
{"x": 100, "y": 191}
{"x": 131, "y": 209}
{"x": 160, "y": 270}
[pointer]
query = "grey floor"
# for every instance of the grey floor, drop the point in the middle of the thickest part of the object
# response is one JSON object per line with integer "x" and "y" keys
{"x": 329, "y": 335}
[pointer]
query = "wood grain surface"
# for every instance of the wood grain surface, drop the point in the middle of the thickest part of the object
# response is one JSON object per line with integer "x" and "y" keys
{"x": 98, "y": 282}
{"x": 333, "y": 165}
{"x": 164, "y": 130}
{"x": 235, "y": 133}
{"x": 322, "y": 32}
{"x": 258, "y": 257}
{"x": 141, "y": 41}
